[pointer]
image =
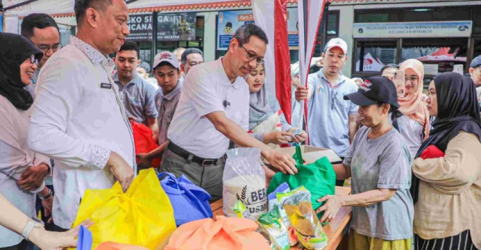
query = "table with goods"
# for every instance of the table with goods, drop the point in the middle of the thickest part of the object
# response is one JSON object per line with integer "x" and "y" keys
{"x": 336, "y": 229}
{"x": 161, "y": 211}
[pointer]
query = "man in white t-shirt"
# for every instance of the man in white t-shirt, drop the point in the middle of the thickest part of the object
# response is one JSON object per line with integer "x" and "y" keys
{"x": 213, "y": 109}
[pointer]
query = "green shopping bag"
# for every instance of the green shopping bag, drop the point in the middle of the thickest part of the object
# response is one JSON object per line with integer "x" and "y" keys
{"x": 318, "y": 177}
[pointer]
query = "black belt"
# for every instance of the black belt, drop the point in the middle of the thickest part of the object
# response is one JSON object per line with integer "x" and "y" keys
{"x": 189, "y": 156}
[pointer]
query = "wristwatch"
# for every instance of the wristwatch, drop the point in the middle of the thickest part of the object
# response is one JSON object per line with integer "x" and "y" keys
{"x": 46, "y": 196}
{"x": 31, "y": 224}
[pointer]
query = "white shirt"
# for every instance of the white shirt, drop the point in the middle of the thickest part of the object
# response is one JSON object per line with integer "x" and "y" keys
{"x": 413, "y": 133}
{"x": 78, "y": 120}
{"x": 15, "y": 158}
{"x": 206, "y": 89}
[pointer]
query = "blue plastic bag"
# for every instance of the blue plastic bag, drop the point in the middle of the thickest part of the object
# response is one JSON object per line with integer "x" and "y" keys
{"x": 189, "y": 201}
{"x": 85, "y": 240}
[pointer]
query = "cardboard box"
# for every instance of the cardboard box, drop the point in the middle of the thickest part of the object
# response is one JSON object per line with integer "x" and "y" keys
{"x": 311, "y": 154}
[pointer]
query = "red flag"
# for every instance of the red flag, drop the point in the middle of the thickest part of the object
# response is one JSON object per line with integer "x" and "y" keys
{"x": 282, "y": 59}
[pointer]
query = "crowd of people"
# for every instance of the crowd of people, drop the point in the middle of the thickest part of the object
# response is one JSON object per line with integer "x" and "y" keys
{"x": 65, "y": 118}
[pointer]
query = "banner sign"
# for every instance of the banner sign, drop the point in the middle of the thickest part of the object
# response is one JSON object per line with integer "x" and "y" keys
{"x": 140, "y": 26}
{"x": 413, "y": 29}
{"x": 229, "y": 21}
{"x": 176, "y": 27}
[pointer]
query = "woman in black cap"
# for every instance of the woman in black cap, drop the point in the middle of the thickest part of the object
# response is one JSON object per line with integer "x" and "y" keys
{"x": 379, "y": 163}
{"x": 447, "y": 169}
{"x": 18, "y": 61}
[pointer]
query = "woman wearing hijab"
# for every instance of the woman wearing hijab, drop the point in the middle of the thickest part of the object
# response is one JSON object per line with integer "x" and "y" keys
{"x": 266, "y": 120}
{"x": 414, "y": 124}
{"x": 18, "y": 164}
{"x": 379, "y": 163}
{"x": 447, "y": 169}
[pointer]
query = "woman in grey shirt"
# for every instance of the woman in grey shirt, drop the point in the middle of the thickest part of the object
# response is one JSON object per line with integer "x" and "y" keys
{"x": 379, "y": 163}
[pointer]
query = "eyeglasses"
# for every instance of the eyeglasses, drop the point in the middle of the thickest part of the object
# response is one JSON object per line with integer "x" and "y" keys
{"x": 411, "y": 79}
{"x": 45, "y": 48}
{"x": 251, "y": 56}
{"x": 33, "y": 60}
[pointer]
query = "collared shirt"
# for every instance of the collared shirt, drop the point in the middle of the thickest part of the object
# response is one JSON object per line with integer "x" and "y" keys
{"x": 167, "y": 106}
{"x": 138, "y": 97}
{"x": 207, "y": 89}
{"x": 15, "y": 158}
{"x": 78, "y": 120}
{"x": 328, "y": 112}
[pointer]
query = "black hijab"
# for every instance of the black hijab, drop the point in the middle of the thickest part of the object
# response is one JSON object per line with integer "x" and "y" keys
{"x": 14, "y": 50}
{"x": 458, "y": 109}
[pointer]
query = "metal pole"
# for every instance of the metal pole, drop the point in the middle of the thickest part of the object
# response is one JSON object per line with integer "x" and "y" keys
{"x": 154, "y": 36}
{"x": 306, "y": 6}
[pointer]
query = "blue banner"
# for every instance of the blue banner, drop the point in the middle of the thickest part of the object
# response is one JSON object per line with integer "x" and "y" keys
{"x": 229, "y": 21}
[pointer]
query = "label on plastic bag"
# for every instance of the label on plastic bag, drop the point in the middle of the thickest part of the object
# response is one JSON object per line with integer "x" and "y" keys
{"x": 298, "y": 207}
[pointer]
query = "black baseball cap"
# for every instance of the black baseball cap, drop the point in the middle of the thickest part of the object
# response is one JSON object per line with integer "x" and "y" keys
{"x": 375, "y": 89}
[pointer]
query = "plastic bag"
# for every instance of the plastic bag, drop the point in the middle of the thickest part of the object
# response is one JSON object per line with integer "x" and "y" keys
{"x": 274, "y": 205}
{"x": 221, "y": 234}
{"x": 189, "y": 201}
{"x": 85, "y": 239}
{"x": 144, "y": 142}
{"x": 298, "y": 206}
{"x": 241, "y": 211}
{"x": 318, "y": 177}
{"x": 245, "y": 180}
{"x": 273, "y": 224}
{"x": 142, "y": 216}
{"x": 118, "y": 246}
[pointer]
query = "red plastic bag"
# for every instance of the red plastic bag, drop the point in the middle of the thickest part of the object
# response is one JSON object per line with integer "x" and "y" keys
{"x": 144, "y": 143}
{"x": 432, "y": 152}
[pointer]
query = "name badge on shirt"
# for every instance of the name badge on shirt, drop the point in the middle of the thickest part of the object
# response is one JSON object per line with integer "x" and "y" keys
{"x": 105, "y": 85}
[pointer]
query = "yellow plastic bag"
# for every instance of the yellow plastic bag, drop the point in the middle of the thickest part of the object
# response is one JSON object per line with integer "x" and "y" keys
{"x": 142, "y": 216}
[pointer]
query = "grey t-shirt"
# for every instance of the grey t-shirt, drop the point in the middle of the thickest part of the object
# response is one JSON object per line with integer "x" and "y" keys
{"x": 138, "y": 97}
{"x": 383, "y": 162}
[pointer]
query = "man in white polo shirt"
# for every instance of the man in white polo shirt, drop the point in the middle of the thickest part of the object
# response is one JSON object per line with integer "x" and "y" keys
{"x": 78, "y": 118}
{"x": 213, "y": 109}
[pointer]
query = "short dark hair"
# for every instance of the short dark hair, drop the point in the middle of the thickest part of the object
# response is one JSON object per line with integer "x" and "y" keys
{"x": 130, "y": 45}
{"x": 36, "y": 20}
{"x": 81, "y": 7}
{"x": 189, "y": 51}
{"x": 391, "y": 65}
{"x": 244, "y": 33}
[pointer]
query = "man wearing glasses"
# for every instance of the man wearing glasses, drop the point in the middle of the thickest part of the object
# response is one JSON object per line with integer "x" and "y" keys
{"x": 42, "y": 31}
{"x": 213, "y": 109}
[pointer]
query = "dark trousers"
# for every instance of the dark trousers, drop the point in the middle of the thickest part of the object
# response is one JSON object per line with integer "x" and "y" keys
{"x": 23, "y": 245}
{"x": 55, "y": 228}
